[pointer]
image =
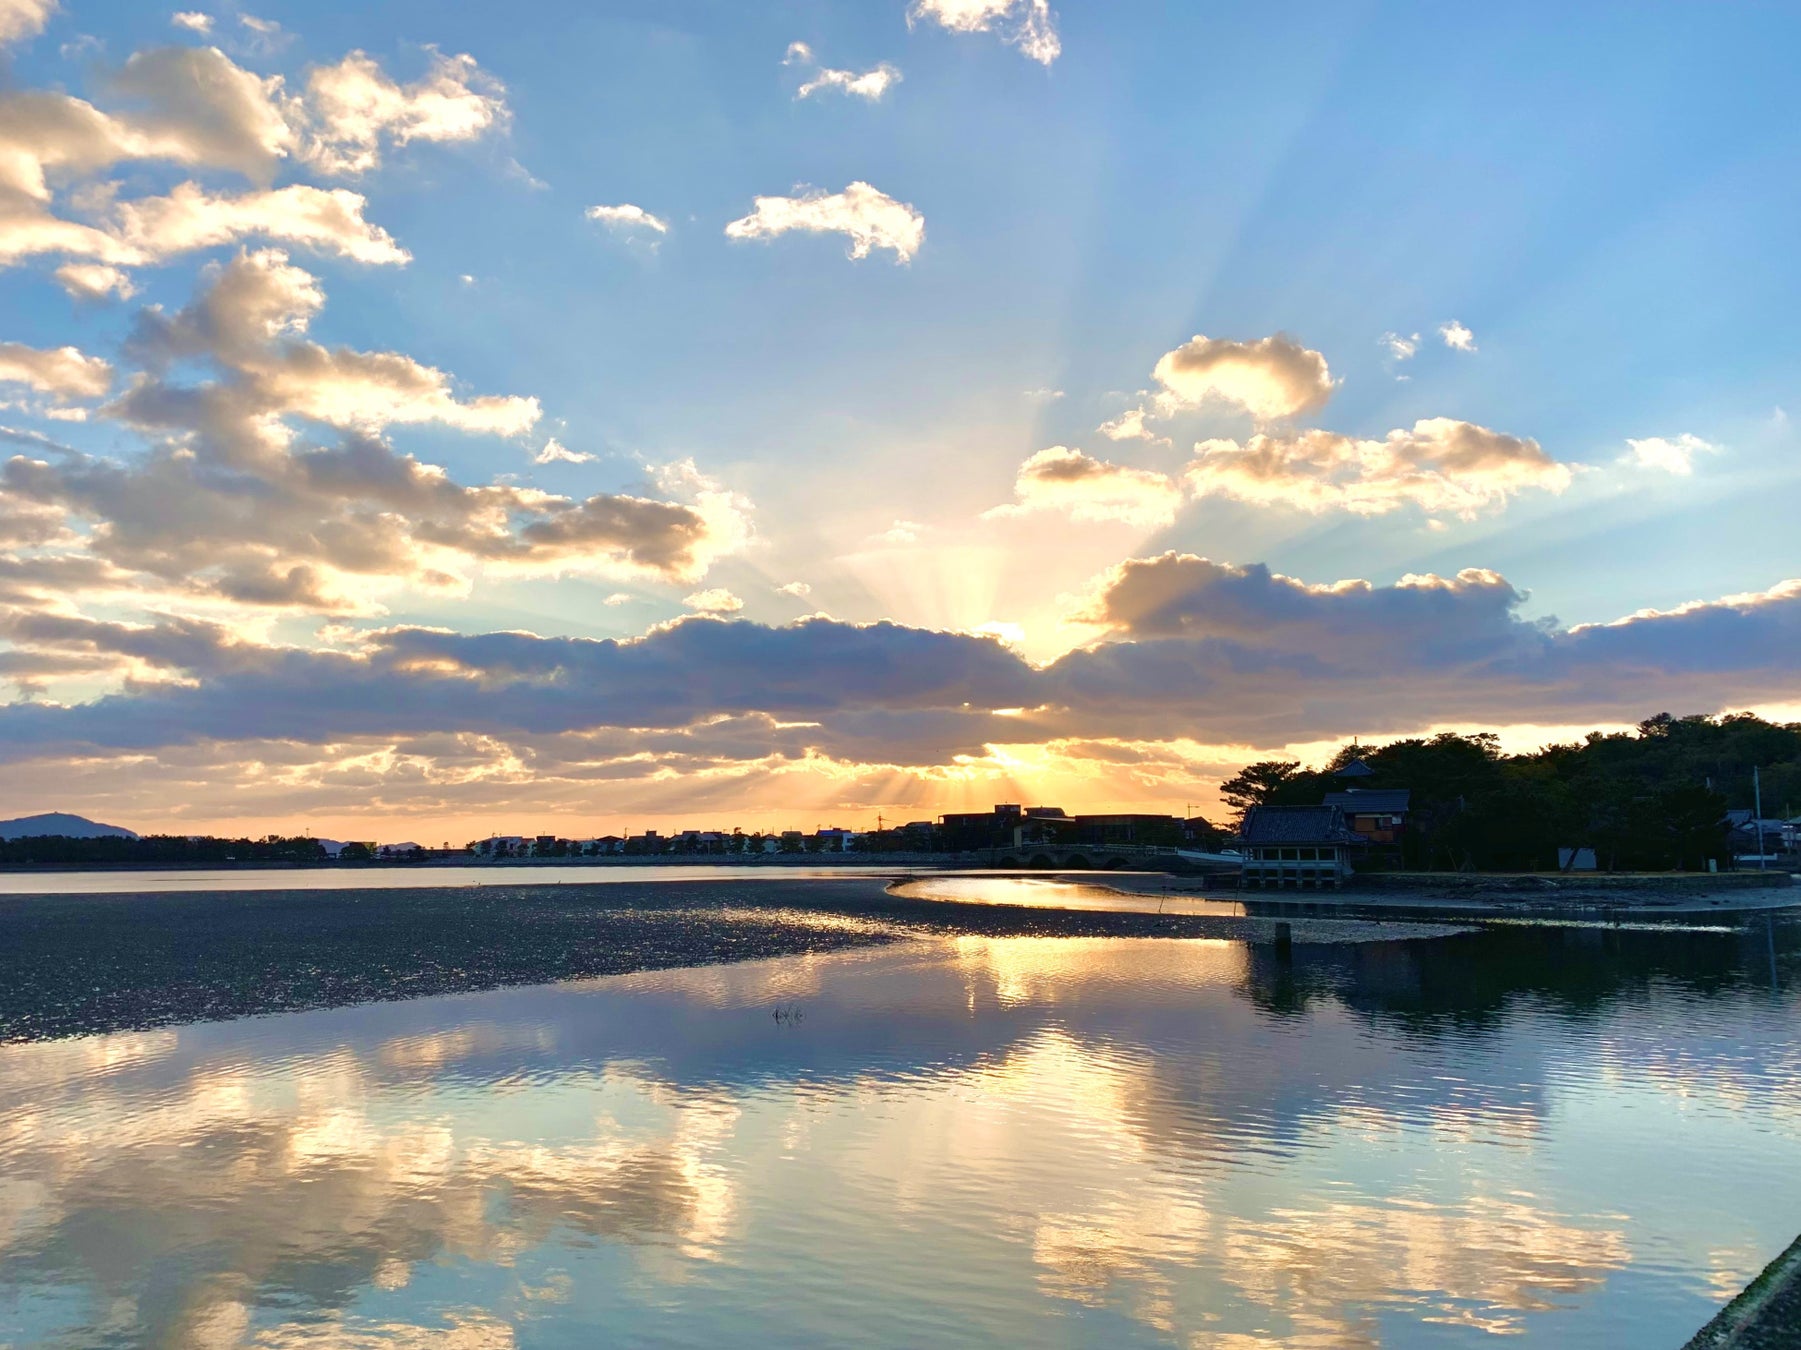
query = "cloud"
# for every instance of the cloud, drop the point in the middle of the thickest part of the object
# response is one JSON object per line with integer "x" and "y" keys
{"x": 1191, "y": 650}
{"x": 353, "y": 107}
{"x": 714, "y": 601}
{"x": 1440, "y": 465}
{"x": 202, "y": 108}
{"x": 249, "y": 318}
{"x": 696, "y": 668}
{"x": 870, "y": 218}
{"x": 1219, "y": 651}
{"x": 195, "y": 107}
{"x": 626, "y": 535}
{"x": 234, "y": 500}
{"x": 262, "y": 37}
{"x": 1066, "y": 480}
{"x": 1128, "y": 426}
{"x": 64, "y": 371}
{"x": 95, "y": 281}
{"x": 555, "y": 452}
{"x": 1181, "y": 595}
{"x": 192, "y": 20}
{"x": 901, "y": 533}
{"x": 798, "y": 589}
{"x": 1400, "y": 348}
{"x": 1457, "y": 337}
{"x": 23, "y": 18}
{"x": 1026, "y": 24}
{"x": 628, "y": 221}
{"x": 871, "y": 84}
{"x": 1271, "y": 379}
{"x": 1668, "y": 455}
{"x": 330, "y": 220}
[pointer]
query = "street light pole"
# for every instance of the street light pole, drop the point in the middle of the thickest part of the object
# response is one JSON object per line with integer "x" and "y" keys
{"x": 1757, "y": 806}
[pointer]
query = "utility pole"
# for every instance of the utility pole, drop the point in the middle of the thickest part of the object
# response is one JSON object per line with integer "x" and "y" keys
{"x": 1757, "y": 819}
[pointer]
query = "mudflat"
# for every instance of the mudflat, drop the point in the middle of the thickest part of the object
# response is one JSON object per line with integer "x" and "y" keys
{"x": 81, "y": 964}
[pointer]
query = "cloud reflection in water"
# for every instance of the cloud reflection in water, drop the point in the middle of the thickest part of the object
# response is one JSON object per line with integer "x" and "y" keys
{"x": 964, "y": 1139}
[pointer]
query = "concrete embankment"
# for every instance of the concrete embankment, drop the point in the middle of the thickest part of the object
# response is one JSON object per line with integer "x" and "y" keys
{"x": 1651, "y": 886}
{"x": 1462, "y": 897}
{"x": 1766, "y": 1316}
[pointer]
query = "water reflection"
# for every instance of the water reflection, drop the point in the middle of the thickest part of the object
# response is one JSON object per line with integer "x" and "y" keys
{"x": 407, "y": 878}
{"x": 968, "y": 1141}
{"x": 1128, "y": 893}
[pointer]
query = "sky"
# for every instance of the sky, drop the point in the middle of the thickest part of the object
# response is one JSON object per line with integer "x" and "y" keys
{"x": 423, "y": 421}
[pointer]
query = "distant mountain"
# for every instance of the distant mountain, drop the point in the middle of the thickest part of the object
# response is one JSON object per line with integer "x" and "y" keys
{"x": 58, "y": 823}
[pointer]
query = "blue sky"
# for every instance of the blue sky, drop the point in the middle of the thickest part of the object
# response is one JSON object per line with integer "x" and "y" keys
{"x": 1597, "y": 202}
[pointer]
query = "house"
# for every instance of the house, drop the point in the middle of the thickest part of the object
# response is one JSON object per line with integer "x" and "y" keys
{"x": 1751, "y": 839}
{"x": 1378, "y": 814}
{"x": 836, "y": 840}
{"x": 1299, "y": 846}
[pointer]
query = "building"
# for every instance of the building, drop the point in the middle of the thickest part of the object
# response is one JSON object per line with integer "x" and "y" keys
{"x": 1008, "y": 825}
{"x": 1751, "y": 840}
{"x": 1116, "y": 831}
{"x": 1301, "y": 846}
{"x": 1378, "y": 814}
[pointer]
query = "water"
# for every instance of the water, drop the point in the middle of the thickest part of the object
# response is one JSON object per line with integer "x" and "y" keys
{"x": 1118, "y": 892}
{"x": 415, "y": 878}
{"x": 1579, "y": 1138}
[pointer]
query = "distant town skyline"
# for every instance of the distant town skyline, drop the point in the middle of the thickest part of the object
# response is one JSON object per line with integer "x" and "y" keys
{"x": 425, "y": 422}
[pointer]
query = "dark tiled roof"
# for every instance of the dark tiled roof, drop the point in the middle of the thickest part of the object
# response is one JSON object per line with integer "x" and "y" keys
{"x": 1366, "y": 801}
{"x": 1295, "y": 825}
{"x": 1355, "y": 769}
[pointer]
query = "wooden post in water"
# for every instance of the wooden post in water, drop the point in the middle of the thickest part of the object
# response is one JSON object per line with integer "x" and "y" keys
{"x": 1284, "y": 941}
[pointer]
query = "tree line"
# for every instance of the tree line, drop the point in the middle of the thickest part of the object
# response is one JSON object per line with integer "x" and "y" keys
{"x": 160, "y": 850}
{"x": 1651, "y": 799}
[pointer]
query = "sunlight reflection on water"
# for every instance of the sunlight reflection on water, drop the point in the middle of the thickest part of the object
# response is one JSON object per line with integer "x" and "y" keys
{"x": 1131, "y": 893}
{"x": 966, "y": 1141}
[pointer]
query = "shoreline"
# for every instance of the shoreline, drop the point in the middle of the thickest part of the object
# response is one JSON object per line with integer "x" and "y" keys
{"x": 470, "y": 861}
{"x": 86, "y": 964}
{"x": 1766, "y": 1315}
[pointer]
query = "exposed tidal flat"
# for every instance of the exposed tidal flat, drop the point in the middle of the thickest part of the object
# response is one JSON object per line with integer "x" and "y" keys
{"x": 79, "y": 964}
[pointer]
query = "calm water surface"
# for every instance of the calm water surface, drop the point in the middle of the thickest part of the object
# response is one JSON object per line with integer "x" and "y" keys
{"x": 1572, "y": 1138}
{"x": 411, "y": 878}
{"x": 1125, "y": 892}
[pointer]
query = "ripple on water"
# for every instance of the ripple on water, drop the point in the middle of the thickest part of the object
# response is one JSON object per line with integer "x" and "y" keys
{"x": 970, "y": 1141}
